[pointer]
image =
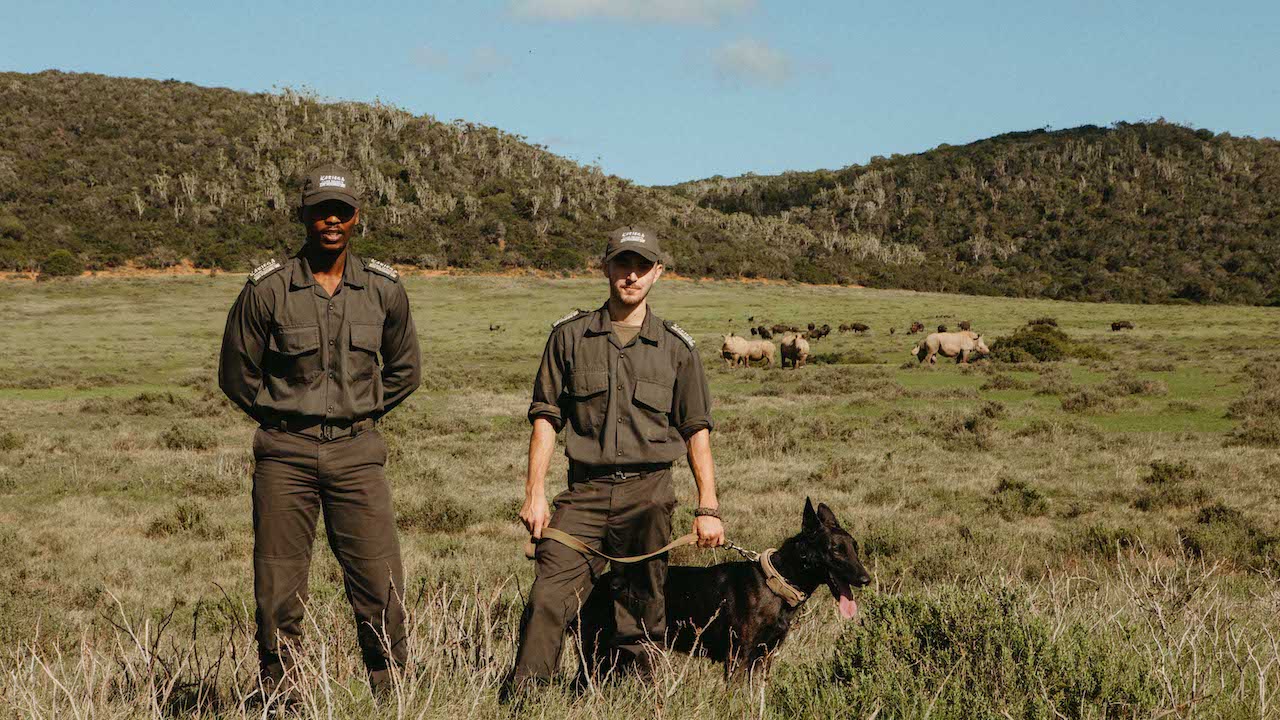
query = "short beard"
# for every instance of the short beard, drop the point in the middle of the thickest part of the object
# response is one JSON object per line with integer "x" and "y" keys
{"x": 617, "y": 296}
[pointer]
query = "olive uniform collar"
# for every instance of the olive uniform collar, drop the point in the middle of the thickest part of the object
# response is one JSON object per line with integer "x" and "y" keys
{"x": 650, "y": 329}
{"x": 353, "y": 273}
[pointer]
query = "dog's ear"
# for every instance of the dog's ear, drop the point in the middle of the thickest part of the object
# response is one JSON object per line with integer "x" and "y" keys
{"x": 811, "y": 521}
{"x": 827, "y": 517}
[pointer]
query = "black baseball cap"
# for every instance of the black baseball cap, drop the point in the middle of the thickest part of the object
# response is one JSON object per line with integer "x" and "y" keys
{"x": 640, "y": 241}
{"x": 329, "y": 182}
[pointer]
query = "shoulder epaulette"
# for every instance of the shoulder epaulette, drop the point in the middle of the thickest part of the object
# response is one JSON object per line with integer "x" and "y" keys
{"x": 571, "y": 316}
{"x": 264, "y": 270}
{"x": 382, "y": 269}
{"x": 679, "y": 332}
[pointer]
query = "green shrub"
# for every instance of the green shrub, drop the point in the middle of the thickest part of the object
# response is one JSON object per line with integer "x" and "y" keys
{"x": 188, "y": 518}
{"x": 1167, "y": 487}
{"x": 1088, "y": 400}
{"x": 1044, "y": 343}
{"x": 1003, "y": 382}
{"x": 1043, "y": 321}
{"x": 438, "y": 514}
{"x": 1014, "y": 498}
{"x": 10, "y": 440}
{"x": 188, "y": 436}
{"x": 61, "y": 263}
{"x": 1226, "y": 533}
{"x": 848, "y": 357}
{"x": 970, "y": 653}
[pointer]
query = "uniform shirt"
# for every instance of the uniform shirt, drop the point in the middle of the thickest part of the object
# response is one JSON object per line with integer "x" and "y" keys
{"x": 291, "y": 352}
{"x": 621, "y": 404}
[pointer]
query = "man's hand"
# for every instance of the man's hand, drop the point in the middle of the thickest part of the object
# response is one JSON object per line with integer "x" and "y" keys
{"x": 710, "y": 531}
{"x": 536, "y": 515}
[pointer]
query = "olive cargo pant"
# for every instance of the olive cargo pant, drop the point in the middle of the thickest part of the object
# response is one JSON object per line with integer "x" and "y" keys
{"x": 617, "y": 516}
{"x": 294, "y": 478}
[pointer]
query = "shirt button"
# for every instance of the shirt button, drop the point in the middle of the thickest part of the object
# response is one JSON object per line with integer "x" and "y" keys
{"x": 622, "y": 355}
{"x": 330, "y": 306}
{"x": 332, "y": 376}
{"x": 619, "y": 419}
{"x": 619, "y": 452}
{"x": 330, "y": 409}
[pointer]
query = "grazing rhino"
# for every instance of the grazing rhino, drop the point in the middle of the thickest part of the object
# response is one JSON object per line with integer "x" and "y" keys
{"x": 859, "y": 328}
{"x": 958, "y": 345}
{"x": 1121, "y": 325}
{"x": 764, "y": 332}
{"x": 740, "y": 351}
{"x": 966, "y": 325}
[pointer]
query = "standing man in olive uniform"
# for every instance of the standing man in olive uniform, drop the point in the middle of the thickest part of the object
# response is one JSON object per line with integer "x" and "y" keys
{"x": 629, "y": 389}
{"x": 317, "y": 348}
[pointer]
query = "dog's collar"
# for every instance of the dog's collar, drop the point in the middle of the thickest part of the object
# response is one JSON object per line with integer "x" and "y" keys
{"x": 778, "y": 584}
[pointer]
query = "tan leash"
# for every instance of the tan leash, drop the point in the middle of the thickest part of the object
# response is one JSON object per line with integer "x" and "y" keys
{"x": 565, "y": 538}
{"x": 778, "y": 584}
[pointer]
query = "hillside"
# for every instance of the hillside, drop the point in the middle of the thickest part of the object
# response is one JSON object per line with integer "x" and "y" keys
{"x": 117, "y": 169}
{"x": 1146, "y": 212}
{"x": 122, "y": 170}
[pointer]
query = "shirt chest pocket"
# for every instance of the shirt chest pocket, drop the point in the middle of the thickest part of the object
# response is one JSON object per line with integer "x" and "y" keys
{"x": 366, "y": 343}
{"x": 295, "y": 353}
{"x": 588, "y": 398}
{"x": 652, "y": 401}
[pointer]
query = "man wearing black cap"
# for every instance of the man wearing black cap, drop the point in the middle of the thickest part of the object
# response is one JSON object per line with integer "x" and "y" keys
{"x": 629, "y": 390}
{"x": 316, "y": 349}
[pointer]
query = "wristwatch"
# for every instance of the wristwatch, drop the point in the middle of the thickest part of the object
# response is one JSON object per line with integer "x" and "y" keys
{"x": 707, "y": 512}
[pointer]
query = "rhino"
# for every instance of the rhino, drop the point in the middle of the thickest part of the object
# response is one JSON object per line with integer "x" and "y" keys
{"x": 740, "y": 351}
{"x": 794, "y": 348}
{"x": 958, "y": 345}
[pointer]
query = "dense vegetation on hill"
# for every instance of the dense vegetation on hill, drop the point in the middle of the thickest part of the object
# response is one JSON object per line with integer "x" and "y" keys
{"x": 1137, "y": 212}
{"x": 115, "y": 170}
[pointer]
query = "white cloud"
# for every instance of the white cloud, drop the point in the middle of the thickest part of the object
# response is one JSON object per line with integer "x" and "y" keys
{"x": 687, "y": 12}
{"x": 751, "y": 61}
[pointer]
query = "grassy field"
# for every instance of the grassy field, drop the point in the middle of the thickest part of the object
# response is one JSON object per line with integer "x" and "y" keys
{"x": 1085, "y": 538}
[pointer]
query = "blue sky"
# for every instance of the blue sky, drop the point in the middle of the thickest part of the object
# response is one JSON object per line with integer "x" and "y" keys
{"x": 661, "y": 91}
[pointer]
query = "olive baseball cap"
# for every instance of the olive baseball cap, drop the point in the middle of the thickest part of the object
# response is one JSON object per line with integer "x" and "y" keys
{"x": 329, "y": 182}
{"x": 640, "y": 241}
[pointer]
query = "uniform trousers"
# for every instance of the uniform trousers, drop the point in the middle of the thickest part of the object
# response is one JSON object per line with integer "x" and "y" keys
{"x": 295, "y": 478}
{"x": 628, "y": 515}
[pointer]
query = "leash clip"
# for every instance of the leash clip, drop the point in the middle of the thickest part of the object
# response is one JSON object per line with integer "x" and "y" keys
{"x": 748, "y": 554}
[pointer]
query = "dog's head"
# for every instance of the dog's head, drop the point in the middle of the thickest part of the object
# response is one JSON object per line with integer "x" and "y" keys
{"x": 833, "y": 551}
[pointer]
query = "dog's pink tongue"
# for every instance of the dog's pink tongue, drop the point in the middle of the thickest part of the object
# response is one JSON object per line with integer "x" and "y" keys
{"x": 848, "y": 607}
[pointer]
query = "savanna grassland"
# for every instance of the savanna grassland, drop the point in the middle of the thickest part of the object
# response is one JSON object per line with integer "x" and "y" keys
{"x": 1091, "y": 537}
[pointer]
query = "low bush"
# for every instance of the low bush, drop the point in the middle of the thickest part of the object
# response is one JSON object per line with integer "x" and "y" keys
{"x": 188, "y": 436}
{"x": 61, "y": 263}
{"x": 970, "y": 653}
{"x": 1226, "y": 533}
{"x": 1003, "y": 382}
{"x": 1014, "y": 498}
{"x": 188, "y": 518}
{"x": 1088, "y": 400}
{"x": 437, "y": 514}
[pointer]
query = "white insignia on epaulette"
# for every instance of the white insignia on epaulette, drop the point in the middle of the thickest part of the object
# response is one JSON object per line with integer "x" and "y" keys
{"x": 565, "y": 319}
{"x": 382, "y": 268}
{"x": 680, "y": 333}
{"x": 264, "y": 270}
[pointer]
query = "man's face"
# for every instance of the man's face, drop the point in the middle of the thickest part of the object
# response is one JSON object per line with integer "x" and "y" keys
{"x": 631, "y": 276}
{"x": 329, "y": 225}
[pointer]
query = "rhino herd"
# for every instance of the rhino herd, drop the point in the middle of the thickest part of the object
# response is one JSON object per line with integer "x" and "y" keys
{"x": 962, "y": 345}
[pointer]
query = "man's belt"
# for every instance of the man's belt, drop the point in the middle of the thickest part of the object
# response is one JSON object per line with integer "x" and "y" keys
{"x": 322, "y": 430}
{"x": 592, "y": 472}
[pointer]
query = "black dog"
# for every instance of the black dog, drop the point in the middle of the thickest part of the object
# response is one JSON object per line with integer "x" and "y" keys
{"x": 728, "y": 612}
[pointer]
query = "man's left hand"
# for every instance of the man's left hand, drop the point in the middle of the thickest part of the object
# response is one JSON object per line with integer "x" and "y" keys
{"x": 710, "y": 531}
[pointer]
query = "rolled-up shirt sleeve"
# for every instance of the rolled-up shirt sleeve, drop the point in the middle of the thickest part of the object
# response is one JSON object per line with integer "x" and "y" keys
{"x": 691, "y": 411}
{"x": 549, "y": 383}
{"x": 244, "y": 341}
{"x": 401, "y": 356}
